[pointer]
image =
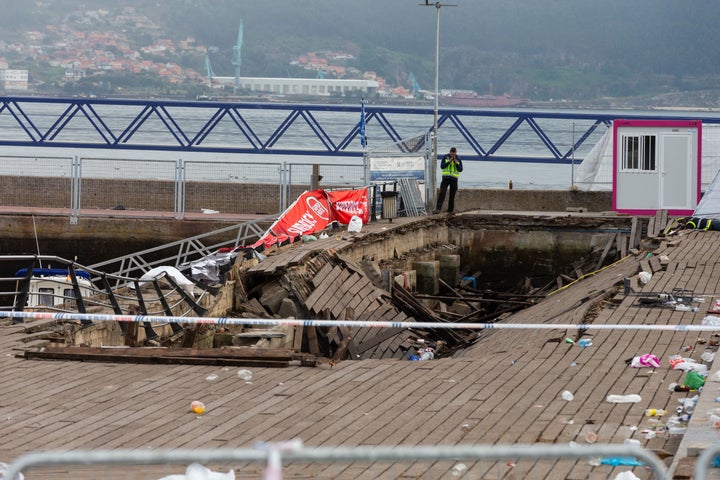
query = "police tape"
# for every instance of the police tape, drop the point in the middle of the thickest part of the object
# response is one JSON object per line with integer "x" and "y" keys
{"x": 92, "y": 317}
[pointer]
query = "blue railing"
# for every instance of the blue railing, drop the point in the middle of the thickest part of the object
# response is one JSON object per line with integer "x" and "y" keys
{"x": 308, "y": 129}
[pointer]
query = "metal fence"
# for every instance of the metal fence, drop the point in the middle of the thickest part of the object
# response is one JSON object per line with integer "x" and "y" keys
{"x": 446, "y": 460}
{"x": 92, "y": 185}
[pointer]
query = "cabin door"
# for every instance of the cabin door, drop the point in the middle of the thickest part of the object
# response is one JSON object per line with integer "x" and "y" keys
{"x": 676, "y": 171}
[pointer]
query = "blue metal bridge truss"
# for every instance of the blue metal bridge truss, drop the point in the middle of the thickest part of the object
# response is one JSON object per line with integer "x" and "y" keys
{"x": 323, "y": 130}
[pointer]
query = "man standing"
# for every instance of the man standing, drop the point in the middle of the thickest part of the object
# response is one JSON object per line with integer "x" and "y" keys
{"x": 451, "y": 166}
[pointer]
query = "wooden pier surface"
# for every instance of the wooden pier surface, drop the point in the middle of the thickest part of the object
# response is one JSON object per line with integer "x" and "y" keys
{"x": 504, "y": 389}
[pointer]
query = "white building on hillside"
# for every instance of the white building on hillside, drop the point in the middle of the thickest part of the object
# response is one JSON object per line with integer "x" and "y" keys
{"x": 300, "y": 86}
{"x": 14, "y": 79}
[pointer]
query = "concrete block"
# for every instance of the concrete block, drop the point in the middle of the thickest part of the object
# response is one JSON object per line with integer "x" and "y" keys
{"x": 288, "y": 309}
{"x": 272, "y": 296}
{"x": 428, "y": 279}
{"x": 450, "y": 269}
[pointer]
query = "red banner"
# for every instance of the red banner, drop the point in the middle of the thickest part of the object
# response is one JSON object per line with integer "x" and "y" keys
{"x": 309, "y": 214}
{"x": 313, "y": 211}
{"x": 346, "y": 203}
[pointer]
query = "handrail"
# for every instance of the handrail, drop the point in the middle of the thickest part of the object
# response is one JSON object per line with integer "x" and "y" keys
{"x": 180, "y": 252}
{"x": 275, "y": 454}
{"x": 101, "y": 294}
{"x": 335, "y": 128}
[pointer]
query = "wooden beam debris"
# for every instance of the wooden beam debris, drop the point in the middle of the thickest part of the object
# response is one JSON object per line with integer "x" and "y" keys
{"x": 233, "y": 356}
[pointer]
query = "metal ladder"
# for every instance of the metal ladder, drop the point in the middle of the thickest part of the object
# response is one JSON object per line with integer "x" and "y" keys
{"x": 412, "y": 201}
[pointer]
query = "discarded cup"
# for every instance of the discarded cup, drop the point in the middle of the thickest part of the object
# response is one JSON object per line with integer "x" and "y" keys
{"x": 197, "y": 407}
{"x": 567, "y": 395}
{"x": 714, "y": 421}
{"x": 245, "y": 375}
{"x": 708, "y": 356}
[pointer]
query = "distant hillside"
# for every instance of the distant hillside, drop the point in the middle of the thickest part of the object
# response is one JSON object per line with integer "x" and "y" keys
{"x": 559, "y": 49}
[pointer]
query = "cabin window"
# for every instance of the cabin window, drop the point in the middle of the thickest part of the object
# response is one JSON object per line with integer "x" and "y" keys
{"x": 68, "y": 293}
{"x": 639, "y": 153}
{"x": 46, "y": 297}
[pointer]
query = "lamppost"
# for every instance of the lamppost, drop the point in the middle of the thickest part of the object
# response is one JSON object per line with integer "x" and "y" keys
{"x": 430, "y": 202}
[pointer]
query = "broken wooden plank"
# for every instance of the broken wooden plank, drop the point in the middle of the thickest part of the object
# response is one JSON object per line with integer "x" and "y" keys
{"x": 622, "y": 241}
{"x": 221, "y": 356}
{"x": 651, "y": 227}
{"x": 131, "y": 334}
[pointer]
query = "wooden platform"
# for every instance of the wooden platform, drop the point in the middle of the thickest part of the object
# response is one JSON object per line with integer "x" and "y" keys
{"x": 504, "y": 389}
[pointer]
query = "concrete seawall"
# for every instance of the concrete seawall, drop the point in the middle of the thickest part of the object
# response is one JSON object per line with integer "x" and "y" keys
{"x": 255, "y": 199}
{"x": 533, "y": 200}
{"x": 35, "y": 212}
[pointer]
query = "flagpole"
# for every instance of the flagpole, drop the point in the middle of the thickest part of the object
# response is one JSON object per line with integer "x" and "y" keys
{"x": 363, "y": 142}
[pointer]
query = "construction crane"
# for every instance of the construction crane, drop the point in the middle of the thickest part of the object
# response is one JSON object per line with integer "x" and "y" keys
{"x": 237, "y": 58}
{"x": 414, "y": 85}
{"x": 208, "y": 67}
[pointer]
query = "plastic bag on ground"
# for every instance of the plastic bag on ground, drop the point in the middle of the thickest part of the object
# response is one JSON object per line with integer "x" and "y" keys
{"x": 355, "y": 224}
{"x": 693, "y": 380}
{"x": 195, "y": 471}
{"x": 691, "y": 367}
{"x": 646, "y": 360}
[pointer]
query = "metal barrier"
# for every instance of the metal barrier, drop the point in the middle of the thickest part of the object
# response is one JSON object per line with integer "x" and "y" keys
{"x": 99, "y": 184}
{"x": 181, "y": 186}
{"x": 274, "y": 455}
{"x": 74, "y": 295}
{"x": 183, "y": 251}
{"x": 706, "y": 460}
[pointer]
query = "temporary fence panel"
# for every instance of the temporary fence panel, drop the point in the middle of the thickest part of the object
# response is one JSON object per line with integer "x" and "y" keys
{"x": 407, "y": 159}
{"x": 230, "y": 187}
{"x": 708, "y": 459}
{"x": 37, "y": 182}
{"x": 273, "y": 457}
{"x": 125, "y": 184}
{"x": 333, "y": 175}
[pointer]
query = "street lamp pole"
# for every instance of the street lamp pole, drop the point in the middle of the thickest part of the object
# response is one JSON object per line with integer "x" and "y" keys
{"x": 431, "y": 199}
{"x": 435, "y": 112}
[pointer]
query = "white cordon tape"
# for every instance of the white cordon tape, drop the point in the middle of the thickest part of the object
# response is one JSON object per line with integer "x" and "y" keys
{"x": 352, "y": 323}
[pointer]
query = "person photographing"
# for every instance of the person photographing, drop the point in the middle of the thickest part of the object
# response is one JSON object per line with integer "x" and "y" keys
{"x": 451, "y": 166}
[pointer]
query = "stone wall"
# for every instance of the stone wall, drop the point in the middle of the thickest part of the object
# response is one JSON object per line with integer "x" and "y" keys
{"x": 532, "y": 200}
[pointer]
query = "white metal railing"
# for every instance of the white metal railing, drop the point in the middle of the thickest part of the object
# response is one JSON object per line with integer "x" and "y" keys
{"x": 180, "y": 172}
{"x": 706, "y": 460}
{"x": 274, "y": 455}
